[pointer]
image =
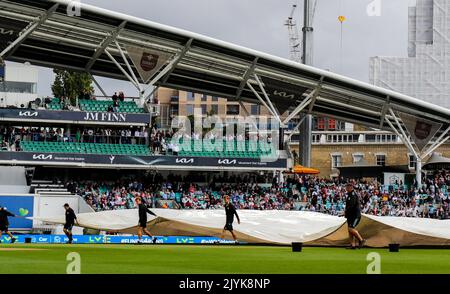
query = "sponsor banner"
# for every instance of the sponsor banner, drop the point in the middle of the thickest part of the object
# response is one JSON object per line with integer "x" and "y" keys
{"x": 394, "y": 178}
{"x": 100, "y": 117}
{"x": 112, "y": 239}
{"x": 285, "y": 94}
{"x": 74, "y": 158}
{"x": 422, "y": 131}
{"x": 9, "y": 31}
{"x": 22, "y": 207}
{"x": 147, "y": 61}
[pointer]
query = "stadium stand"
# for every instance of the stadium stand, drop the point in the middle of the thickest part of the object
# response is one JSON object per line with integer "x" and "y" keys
{"x": 81, "y": 147}
{"x": 55, "y": 104}
{"x": 104, "y": 105}
{"x": 306, "y": 193}
{"x": 234, "y": 148}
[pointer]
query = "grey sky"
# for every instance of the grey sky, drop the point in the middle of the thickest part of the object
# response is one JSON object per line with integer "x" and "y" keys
{"x": 258, "y": 24}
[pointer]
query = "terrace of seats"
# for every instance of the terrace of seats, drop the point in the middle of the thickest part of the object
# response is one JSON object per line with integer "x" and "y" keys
{"x": 230, "y": 149}
{"x": 103, "y": 105}
{"x": 235, "y": 149}
{"x": 55, "y": 104}
{"x": 87, "y": 148}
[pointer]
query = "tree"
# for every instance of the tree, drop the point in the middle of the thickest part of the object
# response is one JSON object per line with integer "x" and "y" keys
{"x": 71, "y": 84}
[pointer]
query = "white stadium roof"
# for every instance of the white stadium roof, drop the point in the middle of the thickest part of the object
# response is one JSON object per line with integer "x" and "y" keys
{"x": 95, "y": 42}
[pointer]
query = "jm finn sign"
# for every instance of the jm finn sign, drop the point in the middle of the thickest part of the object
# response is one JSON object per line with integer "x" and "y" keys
{"x": 74, "y": 116}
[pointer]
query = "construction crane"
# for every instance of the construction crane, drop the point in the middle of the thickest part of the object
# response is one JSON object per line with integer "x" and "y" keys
{"x": 294, "y": 39}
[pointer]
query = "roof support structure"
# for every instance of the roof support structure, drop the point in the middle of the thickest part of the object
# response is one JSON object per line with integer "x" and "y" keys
{"x": 125, "y": 59}
{"x": 439, "y": 141}
{"x": 402, "y": 131}
{"x": 178, "y": 59}
{"x": 245, "y": 79}
{"x": 122, "y": 70}
{"x": 300, "y": 107}
{"x": 262, "y": 100}
{"x": 166, "y": 71}
{"x": 405, "y": 139}
{"x": 29, "y": 30}
{"x": 98, "y": 85}
{"x": 384, "y": 111}
{"x": 418, "y": 154}
{"x": 296, "y": 129}
{"x": 274, "y": 110}
{"x": 106, "y": 42}
{"x": 314, "y": 98}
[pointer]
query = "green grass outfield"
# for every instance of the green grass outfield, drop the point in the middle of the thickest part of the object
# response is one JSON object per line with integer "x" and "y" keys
{"x": 182, "y": 259}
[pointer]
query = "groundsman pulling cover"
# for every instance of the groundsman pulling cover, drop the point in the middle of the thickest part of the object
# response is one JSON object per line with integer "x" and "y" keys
{"x": 273, "y": 226}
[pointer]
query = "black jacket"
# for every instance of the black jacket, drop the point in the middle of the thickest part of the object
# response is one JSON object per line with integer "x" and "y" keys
{"x": 230, "y": 211}
{"x": 352, "y": 206}
{"x": 143, "y": 213}
{"x": 4, "y": 217}
{"x": 70, "y": 216}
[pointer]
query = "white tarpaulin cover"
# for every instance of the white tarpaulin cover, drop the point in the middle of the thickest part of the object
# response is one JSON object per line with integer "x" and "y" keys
{"x": 270, "y": 226}
{"x": 423, "y": 226}
{"x": 274, "y": 226}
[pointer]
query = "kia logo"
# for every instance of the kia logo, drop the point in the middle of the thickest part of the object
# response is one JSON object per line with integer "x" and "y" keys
{"x": 28, "y": 113}
{"x": 283, "y": 94}
{"x": 4, "y": 31}
{"x": 227, "y": 161}
{"x": 42, "y": 156}
{"x": 184, "y": 160}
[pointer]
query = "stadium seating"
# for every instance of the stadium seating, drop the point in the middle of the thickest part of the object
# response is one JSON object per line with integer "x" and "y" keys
{"x": 234, "y": 149}
{"x": 102, "y": 106}
{"x": 89, "y": 148}
{"x": 55, "y": 104}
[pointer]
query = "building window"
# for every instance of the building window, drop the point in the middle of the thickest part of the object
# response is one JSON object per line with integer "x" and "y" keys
{"x": 370, "y": 138}
{"x": 189, "y": 109}
{"x": 316, "y": 138}
{"x": 215, "y": 109}
{"x": 357, "y": 157}
{"x": 204, "y": 98}
{"x": 18, "y": 87}
{"x": 204, "y": 111}
{"x": 215, "y": 98}
{"x": 232, "y": 109}
{"x": 255, "y": 110}
{"x": 320, "y": 124}
{"x": 174, "y": 109}
{"x": 381, "y": 159}
{"x": 340, "y": 125}
{"x": 336, "y": 161}
{"x": 412, "y": 162}
{"x": 174, "y": 99}
{"x": 190, "y": 96}
{"x": 331, "y": 124}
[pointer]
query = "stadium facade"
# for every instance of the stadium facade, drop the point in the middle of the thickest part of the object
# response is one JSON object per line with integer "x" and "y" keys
{"x": 18, "y": 85}
{"x": 425, "y": 73}
{"x": 335, "y": 144}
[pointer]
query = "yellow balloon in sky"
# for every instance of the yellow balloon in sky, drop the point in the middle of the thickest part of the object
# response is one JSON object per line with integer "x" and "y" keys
{"x": 341, "y": 18}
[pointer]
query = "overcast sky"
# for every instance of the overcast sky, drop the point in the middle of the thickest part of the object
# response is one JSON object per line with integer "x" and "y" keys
{"x": 259, "y": 24}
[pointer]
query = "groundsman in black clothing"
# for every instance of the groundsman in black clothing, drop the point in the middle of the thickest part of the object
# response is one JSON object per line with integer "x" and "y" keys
{"x": 4, "y": 223}
{"x": 230, "y": 212}
{"x": 70, "y": 222}
{"x": 142, "y": 225}
{"x": 353, "y": 215}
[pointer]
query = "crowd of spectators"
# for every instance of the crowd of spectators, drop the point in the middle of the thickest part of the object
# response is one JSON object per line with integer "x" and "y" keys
{"x": 10, "y": 137}
{"x": 247, "y": 192}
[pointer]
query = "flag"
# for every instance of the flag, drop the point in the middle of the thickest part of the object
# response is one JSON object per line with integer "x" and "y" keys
{"x": 147, "y": 61}
{"x": 422, "y": 131}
